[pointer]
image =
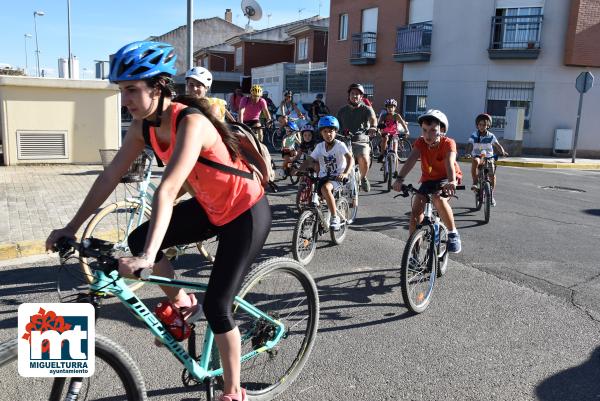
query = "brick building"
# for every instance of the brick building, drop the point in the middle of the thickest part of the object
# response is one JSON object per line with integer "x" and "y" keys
{"x": 471, "y": 56}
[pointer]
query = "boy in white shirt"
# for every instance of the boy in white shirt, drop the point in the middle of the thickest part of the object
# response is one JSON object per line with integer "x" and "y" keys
{"x": 334, "y": 162}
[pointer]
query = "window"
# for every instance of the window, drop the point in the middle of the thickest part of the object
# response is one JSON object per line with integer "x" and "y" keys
{"x": 517, "y": 28}
{"x": 369, "y": 91}
{"x": 415, "y": 99}
{"x": 205, "y": 61}
{"x": 343, "y": 34}
{"x": 302, "y": 49}
{"x": 238, "y": 56}
{"x": 501, "y": 95}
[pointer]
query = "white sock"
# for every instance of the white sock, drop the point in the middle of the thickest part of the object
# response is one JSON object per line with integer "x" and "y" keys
{"x": 455, "y": 231}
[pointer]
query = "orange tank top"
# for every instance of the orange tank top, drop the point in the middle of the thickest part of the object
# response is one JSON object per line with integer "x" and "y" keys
{"x": 223, "y": 196}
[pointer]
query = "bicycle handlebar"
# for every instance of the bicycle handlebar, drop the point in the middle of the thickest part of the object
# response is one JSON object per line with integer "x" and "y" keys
{"x": 95, "y": 248}
{"x": 406, "y": 190}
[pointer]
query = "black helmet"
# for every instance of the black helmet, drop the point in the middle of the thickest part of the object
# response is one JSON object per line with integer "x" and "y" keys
{"x": 356, "y": 86}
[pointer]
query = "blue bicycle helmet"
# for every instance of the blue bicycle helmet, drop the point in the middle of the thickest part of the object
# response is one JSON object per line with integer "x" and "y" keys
{"x": 308, "y": 127}
{"x": 142, "y": 60}
{"x": 293, "y": 126}
{"x": 328, "y": 121}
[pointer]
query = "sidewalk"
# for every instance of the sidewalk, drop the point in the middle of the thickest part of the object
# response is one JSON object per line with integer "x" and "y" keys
{"x": 34, "y": 200}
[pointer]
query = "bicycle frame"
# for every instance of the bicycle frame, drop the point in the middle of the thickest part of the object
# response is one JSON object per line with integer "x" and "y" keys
{"x": 114, "y": 284}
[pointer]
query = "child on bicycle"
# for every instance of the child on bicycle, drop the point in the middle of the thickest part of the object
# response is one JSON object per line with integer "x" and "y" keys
{"x": 306, "y": 146}
{"x": 481, "y": 144}
{"x": 392, "y": 124}
{"x": 440, "y": 173}
{"x": 288, "y": 145}
{"x": 334, "y": 162}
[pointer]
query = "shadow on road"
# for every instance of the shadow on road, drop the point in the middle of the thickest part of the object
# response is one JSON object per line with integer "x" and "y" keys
{"x": 592, "y": 212}
{"x": 343, "y": 296}
{"x": 576, "y": 383}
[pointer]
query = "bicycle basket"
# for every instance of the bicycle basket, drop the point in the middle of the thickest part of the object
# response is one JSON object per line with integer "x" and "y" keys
{"x": 136, "y": 170}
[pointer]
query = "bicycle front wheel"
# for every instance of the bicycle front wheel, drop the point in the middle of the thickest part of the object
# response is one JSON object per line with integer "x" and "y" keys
{"x": 284, "y": 290}
{"x": 305, "y": 237}
{"x": 418, "y": 270}
{"x": 390, "y": 163}
{"x": 113, "y": 224}
{"x": 116, "y": 377}
{"x": 487, "y": 201}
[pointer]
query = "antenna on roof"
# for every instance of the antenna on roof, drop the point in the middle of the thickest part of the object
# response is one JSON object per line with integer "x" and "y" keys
{"x": 269, "y": 19}
{"x": 251, "y": 10}
{"x": 300, "y": 12}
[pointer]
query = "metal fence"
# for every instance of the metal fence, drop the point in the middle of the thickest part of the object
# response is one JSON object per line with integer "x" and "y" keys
{"x": 306, "y": 81}
{"x": 516, "y": 32}
{"x": 364, "y": 45}
{"x": 414, "y": 38}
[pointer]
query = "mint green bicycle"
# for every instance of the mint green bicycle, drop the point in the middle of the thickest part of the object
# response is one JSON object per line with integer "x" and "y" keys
{"x": 277, "y": 312}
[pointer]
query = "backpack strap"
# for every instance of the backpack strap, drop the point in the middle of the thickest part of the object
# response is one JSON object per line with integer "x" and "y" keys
{"x": 207, "y": 162}
{"x": 146, "y": 134}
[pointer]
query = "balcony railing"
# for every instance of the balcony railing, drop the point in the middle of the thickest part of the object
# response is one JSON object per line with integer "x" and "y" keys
{"x": 413, "y": 42}
{"x": 516, "y": 37}
{"x": 364, "y": 48}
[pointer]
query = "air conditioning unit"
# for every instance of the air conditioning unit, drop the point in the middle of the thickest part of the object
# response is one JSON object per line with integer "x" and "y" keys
{"x": 563, "y": 140}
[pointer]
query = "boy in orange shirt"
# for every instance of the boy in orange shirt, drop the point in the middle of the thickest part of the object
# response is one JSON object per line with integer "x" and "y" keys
{"x": 439, "y": 172}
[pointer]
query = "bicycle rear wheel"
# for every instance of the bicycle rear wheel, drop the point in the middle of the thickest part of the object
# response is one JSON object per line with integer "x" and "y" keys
{"x": 404, "y": 149}
{"x": 113, "y": 224}
{"x": 442, "y": 253}
{"x": 284, "y": 290}
{"x": 418, "y": 270}
{"x": 343, "y": 211}
{"x": 208, "y": 248}
{"x": 487, "y": 200}
{"x": 116, "y": 377}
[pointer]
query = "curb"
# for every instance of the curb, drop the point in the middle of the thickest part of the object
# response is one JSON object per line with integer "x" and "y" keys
{"x": 572, "y": 166}
{"x": 527, "y": 164}
{"x": 22, "y": 249}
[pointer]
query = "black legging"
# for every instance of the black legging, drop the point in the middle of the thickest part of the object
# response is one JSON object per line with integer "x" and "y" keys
{"x": 240, "y": 241}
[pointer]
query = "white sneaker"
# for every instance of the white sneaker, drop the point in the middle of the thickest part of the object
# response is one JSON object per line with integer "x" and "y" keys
{"x": 493, "y": 202}
{"x": 335, "y": 223}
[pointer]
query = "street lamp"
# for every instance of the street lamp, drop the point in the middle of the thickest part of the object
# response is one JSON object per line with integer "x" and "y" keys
{"x": 70, "y": 62}
{"x": 27, "y": 36}
{"x": 37, "y": 49}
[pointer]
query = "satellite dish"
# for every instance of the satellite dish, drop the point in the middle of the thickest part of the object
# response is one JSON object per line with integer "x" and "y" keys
{"x": 251, "y": 10}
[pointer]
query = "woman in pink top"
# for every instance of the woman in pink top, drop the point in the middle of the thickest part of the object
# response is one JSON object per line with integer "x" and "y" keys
{"x": 250, "y": 109}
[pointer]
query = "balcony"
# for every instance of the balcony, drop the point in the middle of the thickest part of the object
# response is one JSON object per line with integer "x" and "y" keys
{"x": 413, "y": 42}
{"x": 515, "y": 37}
{"x": 364, "y": 48}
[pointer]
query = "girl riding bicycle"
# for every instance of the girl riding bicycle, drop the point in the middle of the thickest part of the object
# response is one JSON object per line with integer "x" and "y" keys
{"x": 251, "y": 108}
{"x": 233, "y": 206}
{"x": 392, "y": 124}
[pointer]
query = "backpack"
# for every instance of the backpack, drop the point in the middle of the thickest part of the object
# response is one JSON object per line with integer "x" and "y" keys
{"x": 252, "y": 152}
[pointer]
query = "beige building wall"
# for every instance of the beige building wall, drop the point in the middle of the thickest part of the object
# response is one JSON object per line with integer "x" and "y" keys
{"x": 41, "y": 109}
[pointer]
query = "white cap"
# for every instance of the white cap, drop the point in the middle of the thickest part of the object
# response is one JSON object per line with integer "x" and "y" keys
{"x": 201, "y": 75}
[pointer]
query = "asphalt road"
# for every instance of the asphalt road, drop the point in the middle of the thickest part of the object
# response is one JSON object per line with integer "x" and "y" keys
{"x": 517, "y": 317}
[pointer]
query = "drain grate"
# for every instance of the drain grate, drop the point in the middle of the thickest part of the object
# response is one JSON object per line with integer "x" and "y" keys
{"x": 566, "y": 189}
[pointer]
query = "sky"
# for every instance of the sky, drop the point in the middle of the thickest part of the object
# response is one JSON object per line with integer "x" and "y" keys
{"x": 100, "y": 28}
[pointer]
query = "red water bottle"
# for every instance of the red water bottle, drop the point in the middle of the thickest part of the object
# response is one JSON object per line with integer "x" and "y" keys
{"x": 171, "y": 318}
